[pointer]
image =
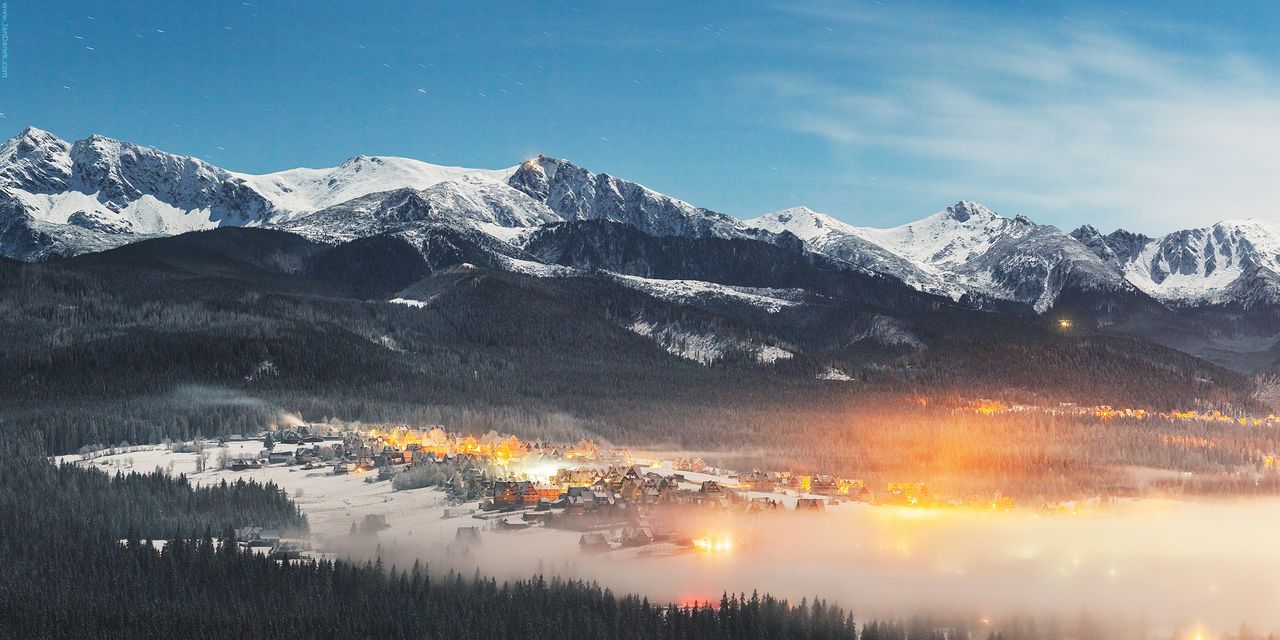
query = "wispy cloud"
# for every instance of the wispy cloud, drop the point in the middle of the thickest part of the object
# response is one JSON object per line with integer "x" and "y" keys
{"x": 1069, "y": 122}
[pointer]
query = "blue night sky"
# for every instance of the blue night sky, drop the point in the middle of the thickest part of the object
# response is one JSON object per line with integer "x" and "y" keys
{"x": 1151, "y": 116}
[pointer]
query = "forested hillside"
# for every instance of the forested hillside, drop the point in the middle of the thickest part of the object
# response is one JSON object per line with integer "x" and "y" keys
{"x": 219, "y": 332}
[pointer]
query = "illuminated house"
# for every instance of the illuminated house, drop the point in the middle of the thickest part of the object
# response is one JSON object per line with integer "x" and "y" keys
{"x": 823, "y": 485}
{"x": 577, "y": 477}
{"x": 757, "y": 481}
{"x": 695, "y": 465}
{"x": 510, "y": 493}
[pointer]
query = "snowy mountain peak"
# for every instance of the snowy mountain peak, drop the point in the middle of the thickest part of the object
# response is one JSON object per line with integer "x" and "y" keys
{"x": 965, "y": 210}
{"x": 575, "y": 193}
{"x": 1115, "y": 248}
{"x": 803, "y": 222}
{"x": 121, "y": 172}
{"x": 59, "y": 198}
{"x": 36, "y": 161}
{"x": 1231, "y": 262}
{"x": 31, "y": 137}
{"x": 966, "y": 249}
{"x": 534, "y": 176}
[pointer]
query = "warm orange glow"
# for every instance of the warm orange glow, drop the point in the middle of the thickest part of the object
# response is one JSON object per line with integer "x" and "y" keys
{"x": 1106, "y": 412}
{"x": 499, "y": 451}
{"x": 990, "y": 407}
{"x": 713, "y": 544}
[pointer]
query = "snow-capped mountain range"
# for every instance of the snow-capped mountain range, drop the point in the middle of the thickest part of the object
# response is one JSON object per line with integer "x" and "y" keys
{"x": 59, "y": 199}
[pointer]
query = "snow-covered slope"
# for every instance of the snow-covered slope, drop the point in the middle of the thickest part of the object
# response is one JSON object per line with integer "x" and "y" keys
{"x": 825, "y": 235}
{"x": 577, "y": 194}
{"x": 1231, "y": 262}
{"x": 472, "y": 201}
{"x": 59, "y": 198}
{"x": 299, "y": 191}
{"x": 965, "y": 249}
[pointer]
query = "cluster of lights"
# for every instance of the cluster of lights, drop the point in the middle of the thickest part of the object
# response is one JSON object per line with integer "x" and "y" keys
{"x": 1106, "y": 412}
{"x": 713, "y": 544}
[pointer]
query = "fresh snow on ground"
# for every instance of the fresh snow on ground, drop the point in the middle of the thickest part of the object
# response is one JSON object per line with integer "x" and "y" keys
{"x": 833, "y": 373}
{"x": 416, "y": 304}
{"x": 771, "y": 300}
{"x": 299, "y": 191}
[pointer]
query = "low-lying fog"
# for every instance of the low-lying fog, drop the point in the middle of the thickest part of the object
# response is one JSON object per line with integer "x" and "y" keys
{"x": 1161, "y": 564}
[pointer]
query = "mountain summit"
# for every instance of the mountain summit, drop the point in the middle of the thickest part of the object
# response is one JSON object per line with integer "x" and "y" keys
{"x": 60, "y": 199}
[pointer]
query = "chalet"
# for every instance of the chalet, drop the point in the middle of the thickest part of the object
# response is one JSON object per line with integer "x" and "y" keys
{"x": 280, "y": 455}
{"x": 666, "y": 490}
{"x": 757, "y": 481}
{"x": 581, "y": 500}
{"x": 696, "y": 465}
{"x": 304, "y": 455}
{"x": 411, "y": 453}
{"x": 862, "y": 494}
{"x": 908, "y": 493}
{"x": 613, "y": 478}
{"x": 245, "y": 464}
{"x": 762, "y": 505}
{"x": 823, "y": 485}
{"x": 390, "y": 455}
{"x": 810, "y": 504}
{"x": 285, "y": 551}
{"x": 633, "y": 489}
{"x": 256, "y": 536}
{"x": 637, "y": 536}
{"x": 594, "y": 542}
{"x": 546, "y": 492}
{"x": 177, "y": 447}
{"x": 510, "y": 493}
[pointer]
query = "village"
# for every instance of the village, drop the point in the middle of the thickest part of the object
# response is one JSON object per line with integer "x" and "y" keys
{"x": 610, "y": 499}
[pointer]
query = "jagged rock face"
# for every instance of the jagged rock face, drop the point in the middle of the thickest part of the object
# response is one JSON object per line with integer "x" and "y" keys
{"x": 966, "y": 250}
{"x": 121, "y": 173}
{"x": 1229, "y": 263}
{"x": 482, "y": 205}
{"x": 830, "y": 237}
{"x": 59, "y": 199}
{"x": 1116, "y": 248}
{"x": 575, "y": 193}
{"x": 36, "y": 161}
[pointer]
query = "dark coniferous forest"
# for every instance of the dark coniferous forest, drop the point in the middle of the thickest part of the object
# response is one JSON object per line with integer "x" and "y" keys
{"x": 66, "y": 573}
